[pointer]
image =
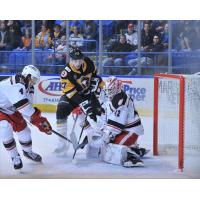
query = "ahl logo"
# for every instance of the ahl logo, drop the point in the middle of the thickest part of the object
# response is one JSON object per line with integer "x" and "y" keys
{"x": 51, "y": 87}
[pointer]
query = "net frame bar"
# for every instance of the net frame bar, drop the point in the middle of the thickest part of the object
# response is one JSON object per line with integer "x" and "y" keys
{"x": 181, "y": 130}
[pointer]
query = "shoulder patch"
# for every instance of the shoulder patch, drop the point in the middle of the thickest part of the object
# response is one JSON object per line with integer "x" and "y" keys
{"x": 19, "y": 79}
{"x": 68, "y": 69}
{"x": 119, "y": 100}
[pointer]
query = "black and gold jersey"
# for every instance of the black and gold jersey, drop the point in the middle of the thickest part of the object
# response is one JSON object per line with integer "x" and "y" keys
{"x": 74, "y": 81}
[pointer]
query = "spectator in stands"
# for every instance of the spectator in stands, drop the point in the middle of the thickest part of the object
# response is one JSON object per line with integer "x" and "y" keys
{"x": 149, "y": 59}
{"x": 16, "y": 25}
{"x": 59, "y": 57}
{"x": 49, "y": 24}
{"x": 118, "y": 59}
{"x": 14, "y": 38}
{"x": 146, "y": 36}
{"x": 90, "y": 33}
{"x": 156, "y": 46}
{"x": 131, "y": 35}
{"x": 43, "y": 39}
{"x": 75, "y": 23}
{"x": 63, "y": 26}
{"x": 76, "y": 39}
{"x": 26, "y": 40}
{"x": 164, "y": 36}
{"x": 25, "y": 24}
{"x": 120, "y": 25}
{"x": 187, "y": 37}
{"x": 89, "y": 29}
{"x": 56, "y": 35}
{"x": 158, "y": 26}
{"x": 4, "y": 37}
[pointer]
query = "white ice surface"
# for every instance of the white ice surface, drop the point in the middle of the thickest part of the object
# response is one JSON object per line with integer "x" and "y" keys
{"x": 62, "y": 167}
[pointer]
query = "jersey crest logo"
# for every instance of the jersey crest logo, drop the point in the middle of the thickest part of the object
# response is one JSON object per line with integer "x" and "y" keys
{"x": 85, "y": 81}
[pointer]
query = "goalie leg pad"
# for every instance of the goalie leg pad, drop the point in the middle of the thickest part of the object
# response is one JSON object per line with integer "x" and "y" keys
{"x": 92, "y": 152}
{"x": 114, "y": 154}
{"x": 94, "y": 138}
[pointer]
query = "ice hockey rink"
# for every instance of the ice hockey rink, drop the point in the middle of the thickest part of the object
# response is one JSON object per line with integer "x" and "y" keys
{"x": 63, "y": 167}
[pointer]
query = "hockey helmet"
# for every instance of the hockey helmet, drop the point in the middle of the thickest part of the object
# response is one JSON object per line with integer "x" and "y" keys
{"x": 112, "y": 86}
{"x": 76, "y": 57}
{"x": 33, "y": 72}
{"x": 75, "y": 54}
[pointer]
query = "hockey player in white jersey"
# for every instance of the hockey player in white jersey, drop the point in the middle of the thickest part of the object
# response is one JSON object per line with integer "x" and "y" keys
{"x": 16, "y": 103}
{"x": 118, "y": 138}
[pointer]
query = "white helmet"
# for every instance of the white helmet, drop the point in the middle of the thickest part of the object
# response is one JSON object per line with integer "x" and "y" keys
{"x": 112, "y": 86}
{"x": 33, "y": 71}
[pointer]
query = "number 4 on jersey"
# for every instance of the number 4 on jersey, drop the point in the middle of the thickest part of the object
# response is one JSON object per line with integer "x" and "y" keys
{"x": 21, "y": 91}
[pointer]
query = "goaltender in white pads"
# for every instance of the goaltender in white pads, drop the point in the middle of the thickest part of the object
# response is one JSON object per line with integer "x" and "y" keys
{"x": 117, "y": 138}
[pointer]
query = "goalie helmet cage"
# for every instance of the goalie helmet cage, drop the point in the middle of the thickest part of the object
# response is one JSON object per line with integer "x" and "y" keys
{"x": 177, "y": 86}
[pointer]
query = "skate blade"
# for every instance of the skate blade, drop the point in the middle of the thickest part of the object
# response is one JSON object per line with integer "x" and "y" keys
{"x": 130, "y": 164}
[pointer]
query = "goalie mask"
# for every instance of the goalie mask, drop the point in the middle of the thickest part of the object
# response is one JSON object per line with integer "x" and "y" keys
{"x": 31, "y": 74}
{"x": 112, "y": 86}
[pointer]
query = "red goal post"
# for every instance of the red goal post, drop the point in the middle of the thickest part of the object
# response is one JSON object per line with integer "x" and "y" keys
{"x": 181, "y": 133}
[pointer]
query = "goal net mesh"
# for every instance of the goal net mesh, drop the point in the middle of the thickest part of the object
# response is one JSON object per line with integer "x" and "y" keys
{"x": 168, "y": 116}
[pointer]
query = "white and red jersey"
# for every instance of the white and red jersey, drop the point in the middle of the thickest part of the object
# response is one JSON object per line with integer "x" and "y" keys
{"x": 15, "y": 96}
{"x": 122, "y": 115}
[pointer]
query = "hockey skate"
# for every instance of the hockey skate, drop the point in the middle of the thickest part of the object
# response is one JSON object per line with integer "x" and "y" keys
{"x": 139, "y": 151}
{"x": 132, "y": 161}
{"x": 62, "y": 149}
{"x": 17, "y": 162}
{"x": 32, "y": 156}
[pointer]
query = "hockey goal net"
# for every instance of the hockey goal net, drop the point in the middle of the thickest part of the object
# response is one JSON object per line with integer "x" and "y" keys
{"x": 176, "y": 128}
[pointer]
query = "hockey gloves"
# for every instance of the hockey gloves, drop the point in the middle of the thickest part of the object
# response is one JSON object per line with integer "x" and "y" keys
{"x": 41, "y": 122}
{"x": 94, "y": 84}
{"x": 87, "y": 109}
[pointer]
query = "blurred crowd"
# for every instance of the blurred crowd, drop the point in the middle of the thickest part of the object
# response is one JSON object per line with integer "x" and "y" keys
{"x": 120, "y": 40}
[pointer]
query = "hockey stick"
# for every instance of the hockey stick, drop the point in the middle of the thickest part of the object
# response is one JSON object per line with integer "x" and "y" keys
{"x": 73, "y": 135}
{"x": 65, "y": 138}
{"x": 79, "y": 140}
{"x": 56, "y": 133}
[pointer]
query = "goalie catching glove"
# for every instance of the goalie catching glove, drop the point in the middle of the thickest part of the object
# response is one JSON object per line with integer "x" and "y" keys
{"x": 41, "y": 122}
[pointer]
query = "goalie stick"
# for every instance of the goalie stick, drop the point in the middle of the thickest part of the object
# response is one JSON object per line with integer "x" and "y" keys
{"x": 79, "y": 140}
{"x": 73, "y": 135}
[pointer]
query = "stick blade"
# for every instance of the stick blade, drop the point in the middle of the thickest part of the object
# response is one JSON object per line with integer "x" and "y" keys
{"x": 74, "y": 140}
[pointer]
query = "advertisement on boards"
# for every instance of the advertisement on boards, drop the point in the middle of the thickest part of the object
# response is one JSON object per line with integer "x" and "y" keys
{"x": 48, "y": 93}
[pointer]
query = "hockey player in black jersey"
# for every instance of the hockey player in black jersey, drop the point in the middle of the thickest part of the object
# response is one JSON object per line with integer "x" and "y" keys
{"x": 80, "y": 85}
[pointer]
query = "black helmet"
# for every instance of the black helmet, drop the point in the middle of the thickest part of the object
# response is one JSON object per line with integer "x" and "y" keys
{"x": 75, "y": 54}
